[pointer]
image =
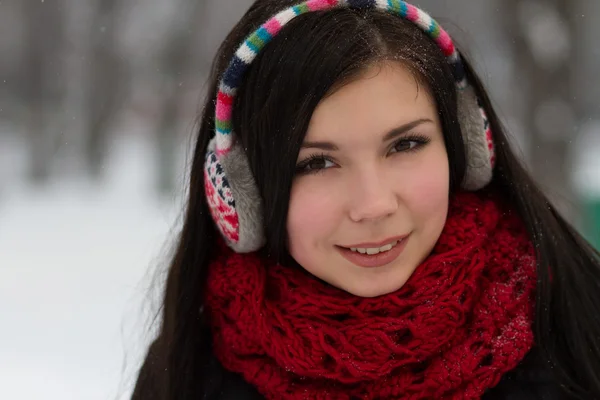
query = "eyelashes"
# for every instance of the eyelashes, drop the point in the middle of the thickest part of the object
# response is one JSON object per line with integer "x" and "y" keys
{"x": 314, "y": 163}
{"x": 415, "y": 142}
{"x": 318, "y": 162}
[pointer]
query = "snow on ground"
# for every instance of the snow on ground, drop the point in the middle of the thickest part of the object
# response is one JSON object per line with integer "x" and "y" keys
{"x": 74, "y": 266}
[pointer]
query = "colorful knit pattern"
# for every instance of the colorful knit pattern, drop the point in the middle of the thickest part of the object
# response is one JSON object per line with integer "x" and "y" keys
{"x": 460, "y": 322}
{"x": 248, "y": 51}
{"x": 220, "y": 199}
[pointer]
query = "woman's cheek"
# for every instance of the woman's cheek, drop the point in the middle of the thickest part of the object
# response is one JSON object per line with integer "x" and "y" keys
{"x": 314, "y": 209}
{"x": 423, "y": 185}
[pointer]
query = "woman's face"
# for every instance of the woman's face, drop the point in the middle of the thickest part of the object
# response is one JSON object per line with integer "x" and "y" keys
{"x": 370, "y": 197}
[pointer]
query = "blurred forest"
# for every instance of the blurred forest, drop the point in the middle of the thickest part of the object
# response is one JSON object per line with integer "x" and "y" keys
{"x": 76, "y": 74}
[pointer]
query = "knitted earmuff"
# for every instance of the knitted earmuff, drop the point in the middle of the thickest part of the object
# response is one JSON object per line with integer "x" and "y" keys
{"x": 231, "y": 191}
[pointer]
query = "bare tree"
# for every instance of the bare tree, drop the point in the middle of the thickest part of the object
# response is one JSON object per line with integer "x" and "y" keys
{"x": 544, "y": 38}
{"x": 43, "y": 82}
{"x": 176, "y": 59}
{"x": 107, "y": 86}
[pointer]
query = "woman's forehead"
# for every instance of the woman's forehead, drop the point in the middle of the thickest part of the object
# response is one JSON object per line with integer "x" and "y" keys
{"x": 381, "y": 99}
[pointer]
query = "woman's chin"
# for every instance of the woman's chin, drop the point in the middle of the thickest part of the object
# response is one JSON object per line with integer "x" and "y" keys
{"x": 373, "y": 289}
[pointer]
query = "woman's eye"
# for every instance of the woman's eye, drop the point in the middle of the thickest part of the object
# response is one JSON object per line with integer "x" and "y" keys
{"x": 318, "y": 164}
{"x": 314, "y": 164}
{"x": 405, "y": 145}
{"x": 409, "y": 144}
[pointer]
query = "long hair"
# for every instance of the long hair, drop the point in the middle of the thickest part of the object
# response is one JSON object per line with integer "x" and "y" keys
{"x": 311, "y": 56}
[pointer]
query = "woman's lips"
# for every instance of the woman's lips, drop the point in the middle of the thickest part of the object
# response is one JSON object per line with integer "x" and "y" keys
{"x": 375, "y": 260}
{"x": 376, "y": 244}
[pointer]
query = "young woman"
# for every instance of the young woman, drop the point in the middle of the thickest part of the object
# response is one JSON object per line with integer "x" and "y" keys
{"x": 358, "y": 227}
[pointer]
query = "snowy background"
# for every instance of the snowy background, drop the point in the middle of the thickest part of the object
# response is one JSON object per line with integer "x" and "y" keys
{"x": 97, "y": 107}
{"x": 76, "y": 260}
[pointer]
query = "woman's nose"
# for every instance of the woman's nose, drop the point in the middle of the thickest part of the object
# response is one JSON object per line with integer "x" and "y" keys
{"x": 371, "y": 198}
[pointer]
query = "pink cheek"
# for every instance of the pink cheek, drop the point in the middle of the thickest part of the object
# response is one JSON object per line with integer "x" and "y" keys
{"x": 425, "y": 189}
{"x": 312, "y": 216}
{"x": 430, "y": 192}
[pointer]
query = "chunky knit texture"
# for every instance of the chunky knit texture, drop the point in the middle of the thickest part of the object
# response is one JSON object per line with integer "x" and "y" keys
{"x": 461, "y": 321}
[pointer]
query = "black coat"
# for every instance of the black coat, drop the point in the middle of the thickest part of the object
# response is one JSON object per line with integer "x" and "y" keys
{"x": 531, "y": 380}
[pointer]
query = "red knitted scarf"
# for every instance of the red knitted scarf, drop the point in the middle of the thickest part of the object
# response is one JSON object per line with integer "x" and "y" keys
{"x": 461, "y": 321}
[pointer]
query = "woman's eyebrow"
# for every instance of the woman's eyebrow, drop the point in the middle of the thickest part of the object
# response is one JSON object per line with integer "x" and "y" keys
{"x": 394, "y": 133}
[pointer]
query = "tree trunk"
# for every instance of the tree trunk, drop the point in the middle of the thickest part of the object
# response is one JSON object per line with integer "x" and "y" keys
{"x": 549, "y": 114}
{"x": 105, "y": 94}
{"x": 176, "y": 59}
{"x": 43, "y": 83}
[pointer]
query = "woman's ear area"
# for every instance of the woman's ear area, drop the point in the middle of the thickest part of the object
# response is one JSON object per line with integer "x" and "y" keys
{"x": 234, "y": 199}
{"x": 480, "y": 149}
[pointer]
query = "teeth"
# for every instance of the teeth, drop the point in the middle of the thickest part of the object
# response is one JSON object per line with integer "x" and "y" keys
{"x": 374, "y": 250}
